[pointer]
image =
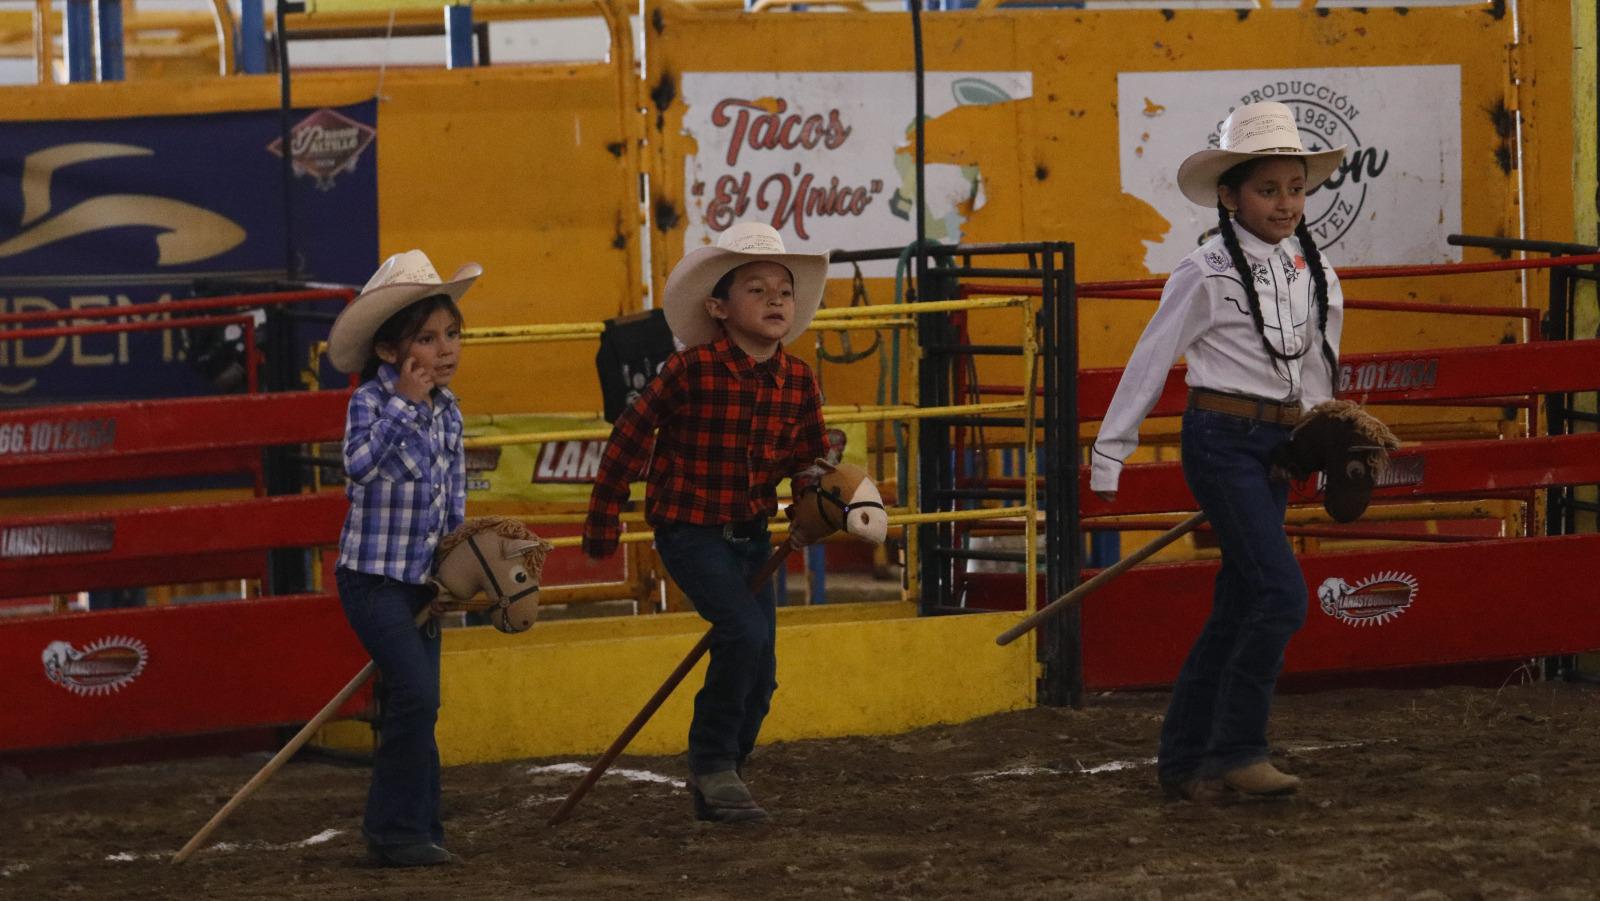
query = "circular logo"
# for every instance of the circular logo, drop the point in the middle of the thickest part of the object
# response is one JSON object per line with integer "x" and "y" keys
{"x": 98, "y": 668}
{"x": 1326, "y": 117}
{"x": 1370, "y": 602}
{"x": 1333, "y": 206}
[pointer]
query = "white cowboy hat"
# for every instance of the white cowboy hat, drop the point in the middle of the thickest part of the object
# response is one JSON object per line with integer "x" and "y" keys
{"x": 691, "y": 281}
{"x": 401, "y": 281}
{"x": 1250, "y": 132}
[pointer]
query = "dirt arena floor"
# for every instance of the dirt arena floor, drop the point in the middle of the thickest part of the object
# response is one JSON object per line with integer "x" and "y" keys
{"x": 1430, "y": 794}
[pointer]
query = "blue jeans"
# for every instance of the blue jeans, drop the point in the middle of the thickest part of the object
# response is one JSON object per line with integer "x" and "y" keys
{"x": 715, "y": 573}
{"x": 1218, "y": 716}
{"x": 403, "y": 801}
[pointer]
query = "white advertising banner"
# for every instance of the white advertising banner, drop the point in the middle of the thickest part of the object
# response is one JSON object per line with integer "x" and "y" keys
{"x": 1394, "y": 200}
{"x": 827, "y": 158}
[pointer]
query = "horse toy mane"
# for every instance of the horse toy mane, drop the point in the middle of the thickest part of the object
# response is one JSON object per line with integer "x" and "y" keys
{"x": 1349, "y": 446}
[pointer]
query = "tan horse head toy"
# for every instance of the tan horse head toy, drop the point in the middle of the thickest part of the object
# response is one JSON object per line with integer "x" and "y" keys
{"x": 495, "y": 557}
{"x": 843, "y": 500}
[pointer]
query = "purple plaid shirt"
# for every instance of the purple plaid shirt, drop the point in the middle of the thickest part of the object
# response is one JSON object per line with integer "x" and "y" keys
{"x": 406, "y": 476}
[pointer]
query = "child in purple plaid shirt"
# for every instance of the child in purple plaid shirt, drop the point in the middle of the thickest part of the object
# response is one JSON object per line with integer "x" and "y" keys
{"x": 405, "y": 470}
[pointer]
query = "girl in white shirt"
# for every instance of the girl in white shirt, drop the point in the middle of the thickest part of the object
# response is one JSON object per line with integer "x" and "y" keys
{"x": 1261, "y": 348}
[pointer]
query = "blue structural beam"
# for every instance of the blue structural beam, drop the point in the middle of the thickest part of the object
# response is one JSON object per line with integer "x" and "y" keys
{"x": 458, "y": 33}
{"x": 251, "y": 57}
{"x": 110, "y": 40}
{"x": 80, "y": 40}
{"x": 1105, "y": 548}
{"x": 817, "y": 569}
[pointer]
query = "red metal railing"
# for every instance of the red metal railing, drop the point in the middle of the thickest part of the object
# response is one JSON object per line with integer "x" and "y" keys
{"x": 1150, "y": 288}
{"x": 232, "y": 301}
{"x": 159, "y": 438}
{"x": 1391, "y": 306}
{"x": 1441, "y": 469}
{"x": 1366, "y": 272}
{"x": 162, "y": 545}
{"x": 1490, "y": 375}
{"x": 243, "y": 320}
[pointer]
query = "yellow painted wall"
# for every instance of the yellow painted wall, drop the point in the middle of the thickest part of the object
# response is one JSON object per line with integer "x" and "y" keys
{"x": 511, "y": 168}
{"x": 568, "y": 688}
{"x": 1548, "y": 100}
{"x": 1050, "y": 162}
{"x": 529, "y": 170}
{"x": 1585, "y": 180}
{"x": 524, "y": 169}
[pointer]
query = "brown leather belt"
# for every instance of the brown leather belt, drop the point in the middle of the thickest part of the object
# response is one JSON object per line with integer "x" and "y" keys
{"x": 1247, "y": 407}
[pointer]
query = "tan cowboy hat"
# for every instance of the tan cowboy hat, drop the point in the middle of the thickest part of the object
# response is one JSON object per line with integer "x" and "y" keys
{"x": 691, "y": 281}
{"x": 1250, "y": 132}
{"x": 401, "y": 281}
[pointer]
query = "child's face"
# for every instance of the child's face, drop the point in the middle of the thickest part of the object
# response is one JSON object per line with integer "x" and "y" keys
{"x": 1271, "y": 200}
{"x": 759, "y": 309}
{"x": 436, "y": 347}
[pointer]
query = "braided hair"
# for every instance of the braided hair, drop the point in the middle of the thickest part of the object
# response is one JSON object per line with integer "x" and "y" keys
{"x": 1233, "y": 178}
{"x": 1319, "y": 280}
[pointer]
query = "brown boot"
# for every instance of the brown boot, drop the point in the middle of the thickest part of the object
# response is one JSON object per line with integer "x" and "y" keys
{"x": 1262, "y": 779}
{"x": 723, "y": 798}
{"x": 1194, "y": 790}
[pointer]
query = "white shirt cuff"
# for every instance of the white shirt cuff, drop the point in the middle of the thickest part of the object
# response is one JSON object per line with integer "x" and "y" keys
{"x": 1104, "y": 473}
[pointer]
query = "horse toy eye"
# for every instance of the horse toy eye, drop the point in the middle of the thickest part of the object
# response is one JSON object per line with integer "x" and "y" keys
{"x": 520, "y": 576}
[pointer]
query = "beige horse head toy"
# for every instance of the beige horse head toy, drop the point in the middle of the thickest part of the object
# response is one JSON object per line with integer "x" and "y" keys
{"x": 498, "y": 558}
{"x": 843, "y": 500}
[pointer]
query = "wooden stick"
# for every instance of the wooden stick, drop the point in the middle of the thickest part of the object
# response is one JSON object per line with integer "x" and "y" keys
{"x": 288, "y": 751}
{"x": 1060, "y": 604}
{"x": 657, "y": 699}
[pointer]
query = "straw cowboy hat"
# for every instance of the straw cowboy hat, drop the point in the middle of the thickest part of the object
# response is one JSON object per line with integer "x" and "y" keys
{"x": 401, "y": 281}
{"x": 1251, "y": 132}
{"x": 700, "y": 269}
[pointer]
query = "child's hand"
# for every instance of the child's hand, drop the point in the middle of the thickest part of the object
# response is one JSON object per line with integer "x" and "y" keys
{"x": 416, "y": 381}
{"x": 599, "y": 537}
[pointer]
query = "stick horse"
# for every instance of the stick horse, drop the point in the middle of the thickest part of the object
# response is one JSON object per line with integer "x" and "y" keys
{"x": 491, "y": 563}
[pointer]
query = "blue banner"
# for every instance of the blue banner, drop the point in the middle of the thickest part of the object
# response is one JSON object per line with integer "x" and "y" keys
{"x": 127, "y": 212}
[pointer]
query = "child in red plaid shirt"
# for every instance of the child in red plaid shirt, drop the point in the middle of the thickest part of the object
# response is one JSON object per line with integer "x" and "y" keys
{"x": 721, "y": 424}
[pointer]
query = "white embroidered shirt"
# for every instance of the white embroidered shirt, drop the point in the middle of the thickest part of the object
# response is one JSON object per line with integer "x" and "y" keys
{"x": 1205, "y": 317}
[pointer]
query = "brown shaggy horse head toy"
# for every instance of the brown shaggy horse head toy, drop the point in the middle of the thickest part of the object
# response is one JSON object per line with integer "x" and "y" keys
{"x": 1349, "y": 446}
{"x": 498, "y": 559}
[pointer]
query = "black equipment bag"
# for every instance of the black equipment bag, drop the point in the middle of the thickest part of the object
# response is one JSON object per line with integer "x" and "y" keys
{"x": 632, "y": 349}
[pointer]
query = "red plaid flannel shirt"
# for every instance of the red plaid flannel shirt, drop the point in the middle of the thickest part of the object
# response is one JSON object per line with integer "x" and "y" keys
{"x": 729, "y": 430}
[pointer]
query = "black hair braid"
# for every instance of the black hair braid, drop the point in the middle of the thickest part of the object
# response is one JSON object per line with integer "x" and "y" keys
{"x": 1247, "y": 277}
{"x": 1319, "y": 278}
